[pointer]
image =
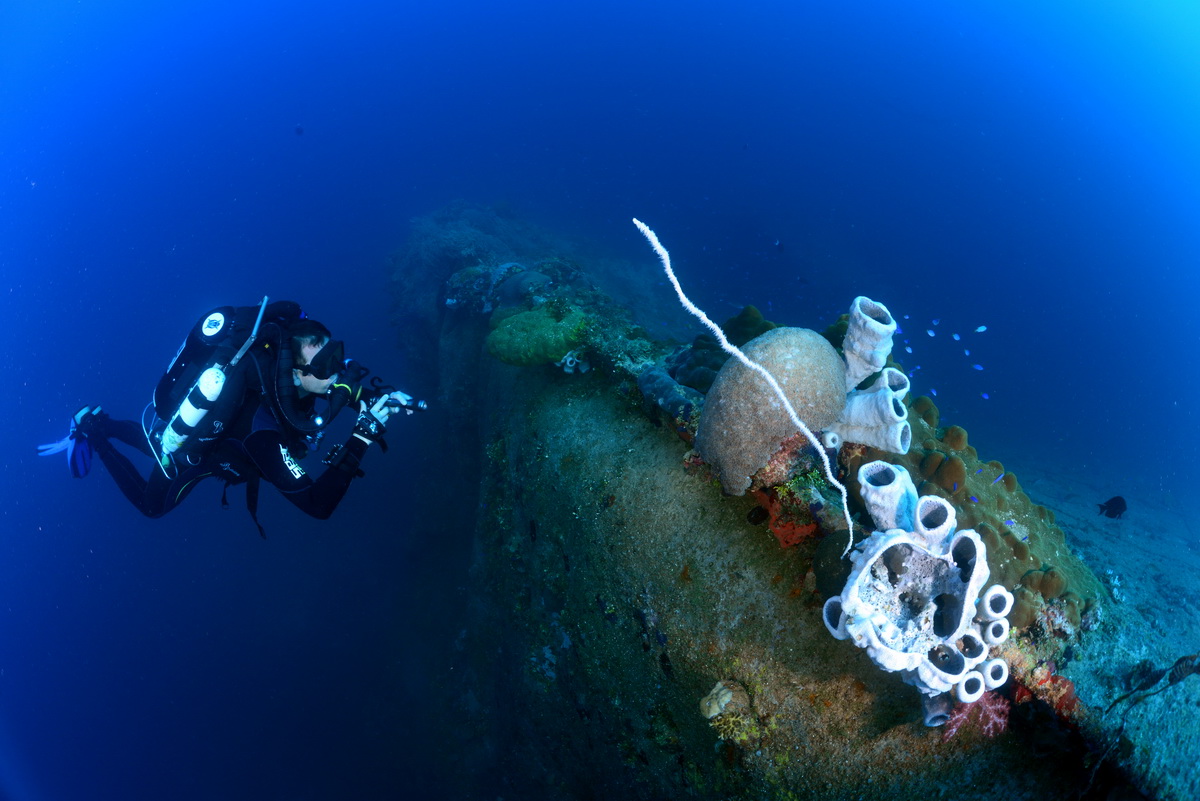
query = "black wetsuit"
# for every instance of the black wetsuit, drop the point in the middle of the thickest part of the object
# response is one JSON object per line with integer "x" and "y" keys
{"x": 254, "y": 449}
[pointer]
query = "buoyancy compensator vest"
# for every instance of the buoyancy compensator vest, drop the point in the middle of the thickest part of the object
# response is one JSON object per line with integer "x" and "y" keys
{"x": 207, "y": 382}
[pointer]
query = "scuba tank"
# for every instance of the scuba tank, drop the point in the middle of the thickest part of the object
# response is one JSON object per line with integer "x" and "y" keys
{"x": 202, "y": 379}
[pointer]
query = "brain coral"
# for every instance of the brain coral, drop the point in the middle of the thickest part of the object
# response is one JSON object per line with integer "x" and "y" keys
{"x": 743, "y": 422}
{"x": 536, "y": 337}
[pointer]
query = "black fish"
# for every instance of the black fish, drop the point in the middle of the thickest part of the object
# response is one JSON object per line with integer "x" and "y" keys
{"x": 1113, "y": 507}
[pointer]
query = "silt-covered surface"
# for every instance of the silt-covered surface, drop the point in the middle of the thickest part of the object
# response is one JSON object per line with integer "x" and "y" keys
{"x": 617, "y": 587}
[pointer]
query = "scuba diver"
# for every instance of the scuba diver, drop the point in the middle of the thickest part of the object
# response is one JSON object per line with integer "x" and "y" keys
{"x": 239, "y": 403}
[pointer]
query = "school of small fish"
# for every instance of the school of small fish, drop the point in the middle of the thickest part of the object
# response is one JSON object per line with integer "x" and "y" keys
{"x": 932, "y": 332}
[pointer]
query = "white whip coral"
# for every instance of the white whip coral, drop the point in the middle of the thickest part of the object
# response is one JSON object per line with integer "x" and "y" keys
{"x": 736, "y": 352}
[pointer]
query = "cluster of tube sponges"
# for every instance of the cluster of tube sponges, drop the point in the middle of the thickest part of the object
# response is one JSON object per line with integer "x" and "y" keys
{"x": 915, "y": 598}
{"x": 875, "y": 416}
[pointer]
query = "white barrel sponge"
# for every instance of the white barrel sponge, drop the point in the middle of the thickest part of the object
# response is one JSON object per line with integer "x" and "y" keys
{"x": 868, "y": 341}
{"x": 914, "y": 589}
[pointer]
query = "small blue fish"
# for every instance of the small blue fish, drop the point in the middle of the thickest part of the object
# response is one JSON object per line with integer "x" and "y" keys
{"x": 929, "y": 331}
{"x": 935, "y": 322}
{"x": 906, "y": 317}
{"x": 933, "y": 392}
{"x": 1010, "y": 522}
{"x": 981, "y": 329}
{"x": 980, "y": 470}
{"x": 956, "y": 337}
{"x": 977, "y": 366}
{"x": 908, "y": 349}
{"x": 985, "y": 396}
{"x": 966, "y": 352}
{"x": 998, "y": 478}
{"x": 974, "y": 499}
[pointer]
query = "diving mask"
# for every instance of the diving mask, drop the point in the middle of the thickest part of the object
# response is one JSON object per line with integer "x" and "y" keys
{"x": 327, "y": 362}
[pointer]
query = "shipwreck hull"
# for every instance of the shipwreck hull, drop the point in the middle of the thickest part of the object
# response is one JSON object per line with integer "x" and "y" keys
{"x": 615, "y": 587}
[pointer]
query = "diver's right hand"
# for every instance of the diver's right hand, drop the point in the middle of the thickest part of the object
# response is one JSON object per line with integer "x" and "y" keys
{"x": 372, "y": 420}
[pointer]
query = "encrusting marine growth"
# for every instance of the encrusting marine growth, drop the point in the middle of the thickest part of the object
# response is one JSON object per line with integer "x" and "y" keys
{"x": 734, "y": 351}
{"x": 914, "y": 597}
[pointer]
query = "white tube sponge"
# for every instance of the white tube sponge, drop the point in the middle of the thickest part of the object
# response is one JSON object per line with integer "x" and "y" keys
{"x": 995, "y": 673}
{"x": 835, "y": 619}
{"x": 972, "y": 647}
{"x": 995, "y": 631}
{"x": 936, "y": 709}
{"x": 930, "y": 680}
{"x": 971, "y": 688}
{"x": 910, "y": 603}
{"x": 970, "y": 559}
{"x": 935, "y": 520}
{"x": 877, "y": 416}
{"x": 891, "y": 498}
{"x": 996, "y": 602}
{"x": 872, "y": 409}
{"x": 868, "y": 340}
{"x": 892, "y": 380}
{"x": 877, "y": 419}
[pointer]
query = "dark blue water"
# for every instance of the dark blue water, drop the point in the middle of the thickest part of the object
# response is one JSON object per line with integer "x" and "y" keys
{"x": 1033, "y": 171}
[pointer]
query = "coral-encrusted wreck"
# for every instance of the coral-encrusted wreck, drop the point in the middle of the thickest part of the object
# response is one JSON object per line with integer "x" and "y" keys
{"x": 615, "y": 583}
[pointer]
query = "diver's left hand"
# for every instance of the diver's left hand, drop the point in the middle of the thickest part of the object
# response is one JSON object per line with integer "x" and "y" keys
{"x": 397, "y": 400}
{"x": 387, "y": 405}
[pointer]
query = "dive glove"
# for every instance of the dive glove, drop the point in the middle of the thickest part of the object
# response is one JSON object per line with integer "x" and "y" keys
{"x": 372, "y": 420}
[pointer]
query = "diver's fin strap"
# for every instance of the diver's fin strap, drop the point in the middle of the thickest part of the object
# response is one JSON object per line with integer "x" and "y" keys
{"x": 55, "y": 447}
{"x": 252, "y": 485}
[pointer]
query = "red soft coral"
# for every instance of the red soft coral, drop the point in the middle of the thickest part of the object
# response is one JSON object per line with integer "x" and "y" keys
{"x": 989, "y": 714}
{"x": 1059, "y": 692}
{"x": 789, "y": 521}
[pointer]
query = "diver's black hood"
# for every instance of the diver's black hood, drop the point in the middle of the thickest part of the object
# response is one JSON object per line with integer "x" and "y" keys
{"x": 275, "y": 360}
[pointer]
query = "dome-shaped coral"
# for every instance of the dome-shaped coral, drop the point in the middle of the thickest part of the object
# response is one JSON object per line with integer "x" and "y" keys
{"x": 743, "y": 422}
{"x": 536, "y": 337}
